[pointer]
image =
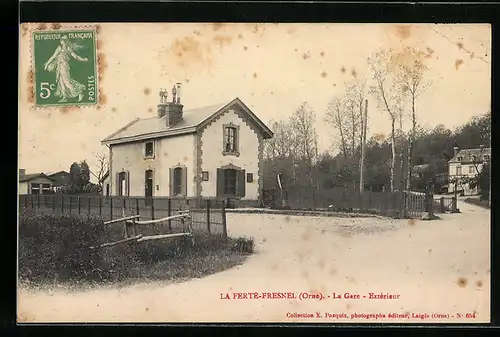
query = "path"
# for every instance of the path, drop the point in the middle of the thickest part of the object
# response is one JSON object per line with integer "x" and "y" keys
{"x": 436, "y": 267}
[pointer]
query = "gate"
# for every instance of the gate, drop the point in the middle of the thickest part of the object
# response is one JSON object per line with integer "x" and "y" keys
{"x": 445, "y": 205}
{"x": 415, "y": 204}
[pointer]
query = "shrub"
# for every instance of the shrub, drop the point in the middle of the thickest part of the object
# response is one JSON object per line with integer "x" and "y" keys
{"x": 58, "y": 247}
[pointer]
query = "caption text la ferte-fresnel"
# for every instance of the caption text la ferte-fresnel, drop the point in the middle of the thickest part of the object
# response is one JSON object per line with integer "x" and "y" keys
{"x": 305, "y": 296}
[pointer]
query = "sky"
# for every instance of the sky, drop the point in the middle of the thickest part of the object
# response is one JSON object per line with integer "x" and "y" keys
{"x": 272, "y": 68}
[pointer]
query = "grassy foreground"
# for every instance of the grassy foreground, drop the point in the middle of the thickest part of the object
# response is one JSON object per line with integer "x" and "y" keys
{"x": 56, "y": 250}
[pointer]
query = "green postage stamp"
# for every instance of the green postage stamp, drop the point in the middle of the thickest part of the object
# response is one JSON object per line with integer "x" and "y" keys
{"x": 65, "y": 67}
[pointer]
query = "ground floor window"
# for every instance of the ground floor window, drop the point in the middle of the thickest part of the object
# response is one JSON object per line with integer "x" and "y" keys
{"x": 35, "y": 188}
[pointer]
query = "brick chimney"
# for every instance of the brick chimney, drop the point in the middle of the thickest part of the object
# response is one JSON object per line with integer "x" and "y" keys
{"x": 455, "y": 151}
{"x": 22, "y": 173}
{"x": 172, "y": 111}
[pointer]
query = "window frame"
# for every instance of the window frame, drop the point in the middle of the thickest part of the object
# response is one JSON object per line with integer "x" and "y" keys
{"x": 205, "y": 176}
{"x": 177, "y": 175}
{"x": 249, "y": 177}
{"x": 458, "y": 170}
{"x": 472, "y": 169}
{"x": 225, "y": 134}
{"x": 152, "y": 155}
{"x": 122, "y": 183}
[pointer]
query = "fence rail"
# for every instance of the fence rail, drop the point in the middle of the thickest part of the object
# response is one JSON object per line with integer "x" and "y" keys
{"x": 207, "y": 214}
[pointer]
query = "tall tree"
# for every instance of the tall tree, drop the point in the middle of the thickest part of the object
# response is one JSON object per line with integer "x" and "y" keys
{"x": 411, "y": 72}
{"x": 75, "y": 175}
{"x": 388, "y": 94}
{"x": 306, "y": 138}
{"x": 85, "y": 173}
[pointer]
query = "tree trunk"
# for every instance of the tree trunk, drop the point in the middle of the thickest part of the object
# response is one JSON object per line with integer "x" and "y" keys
{"x": 393, "y": 150}
{"x": 410, "y": 143}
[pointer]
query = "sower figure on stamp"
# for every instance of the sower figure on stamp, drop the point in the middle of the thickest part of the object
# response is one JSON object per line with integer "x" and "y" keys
{"x": 66, "y": 87}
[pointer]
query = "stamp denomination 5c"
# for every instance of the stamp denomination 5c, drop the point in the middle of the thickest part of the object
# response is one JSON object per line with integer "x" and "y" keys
{"x": 65, "y": 67}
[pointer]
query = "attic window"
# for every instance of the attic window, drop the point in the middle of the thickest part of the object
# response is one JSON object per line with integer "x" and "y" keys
{"x": 230, "y": 140}
{"x": 459, "y": 158}
{"x": 149, "y": 149}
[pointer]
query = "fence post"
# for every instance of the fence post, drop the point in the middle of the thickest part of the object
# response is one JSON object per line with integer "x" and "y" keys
{"x": 124, "y": 206}
{"x": 137, "y": 205}
{"x": 224, "y": 223}
{"x": 38, "y": 201}
{"x": 62, "y": 203}
{"x": 441, "y": 205}
{"x": 53, "y": 203}
{"x": 110, "y": 208}
{"x": 454, "y": 204}
{"x": 79, "y": 204}
{"x": 100, "y": 206}
{"x": 169, "y": 213}
{"x": 208, "y": 215}
{"x": 26, "y": 203}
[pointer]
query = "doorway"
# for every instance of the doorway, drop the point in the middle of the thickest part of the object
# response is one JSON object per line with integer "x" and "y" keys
{"x": 148, "y": 190}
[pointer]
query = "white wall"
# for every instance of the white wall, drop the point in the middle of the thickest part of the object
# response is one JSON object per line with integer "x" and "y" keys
{"x": 212, "y": 148}
{"x": 23, "y": 188}
{"x": 465, "y": 172}
{"x": 168, "y": 153}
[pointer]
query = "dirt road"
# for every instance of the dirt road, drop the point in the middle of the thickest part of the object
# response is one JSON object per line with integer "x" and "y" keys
{"x": 436, "y": 267}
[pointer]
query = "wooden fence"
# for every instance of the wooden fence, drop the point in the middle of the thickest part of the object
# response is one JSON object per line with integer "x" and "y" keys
{"x": 400, "y": 204}
{"x": 207, "y": 214}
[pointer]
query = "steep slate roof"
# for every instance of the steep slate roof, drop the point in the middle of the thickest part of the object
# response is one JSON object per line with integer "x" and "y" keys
{"x": 192, "y": 120}
{"x": 28, "y": 177}
{"x": 467, "y": 154}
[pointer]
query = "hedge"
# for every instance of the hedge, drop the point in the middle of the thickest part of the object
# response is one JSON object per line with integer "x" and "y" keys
{"x": 58, "y": 248}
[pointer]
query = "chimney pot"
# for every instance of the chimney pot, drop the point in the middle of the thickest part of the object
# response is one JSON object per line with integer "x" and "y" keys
{"x": 22, "y": 172}
{"x": 455, "y": 151}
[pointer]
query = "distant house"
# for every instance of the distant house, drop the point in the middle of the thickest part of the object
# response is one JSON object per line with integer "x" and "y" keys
{"x": 466, "y": 163}
{"x": 34, "y": 183}
{"x": 60, "y": 179}
{"x": 105, "y": 183}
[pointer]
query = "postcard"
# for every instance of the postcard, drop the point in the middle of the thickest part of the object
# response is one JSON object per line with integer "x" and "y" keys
{"x": 254, "y": 173}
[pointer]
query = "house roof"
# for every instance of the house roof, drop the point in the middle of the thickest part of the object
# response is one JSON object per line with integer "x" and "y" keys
{"x": 192, "y": 120}
{"x": 54, "y": 173}
{"x": 467, "y": 155}
{"x": 28, "y": 177}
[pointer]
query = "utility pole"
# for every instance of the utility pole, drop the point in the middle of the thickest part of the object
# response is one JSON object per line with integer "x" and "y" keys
{"x": 364, "y": 120}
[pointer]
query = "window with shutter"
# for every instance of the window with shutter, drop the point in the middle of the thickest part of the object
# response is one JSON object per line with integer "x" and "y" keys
{"x": 184, "y": 182}
{"x": 121, "y": 181}
{"x": 220, "y": 182}
{"x": 178, "y": 180}
{"x": 241, "y": 183}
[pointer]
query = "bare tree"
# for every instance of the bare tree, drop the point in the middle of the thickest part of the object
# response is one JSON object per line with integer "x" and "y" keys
{"x": 101, "y": 168}
{"x": 336, "y": 117}
{"x": 411, "y": 72}
{"x": 305, "y": 136}
{"x": 388, "y": 94}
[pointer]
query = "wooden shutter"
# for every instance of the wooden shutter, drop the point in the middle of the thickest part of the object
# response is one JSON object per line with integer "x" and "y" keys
{"x": 220, "y": 182}
{"x": 128, "y": 183}
{"x": 117, "y": 183}
{"x": 241, "y": 182}
{"x": 171, "y": 182}
{"x": 184, "y": 181}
